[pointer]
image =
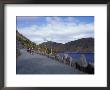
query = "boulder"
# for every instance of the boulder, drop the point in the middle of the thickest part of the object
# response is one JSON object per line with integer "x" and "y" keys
{"x": 83, "y": 61}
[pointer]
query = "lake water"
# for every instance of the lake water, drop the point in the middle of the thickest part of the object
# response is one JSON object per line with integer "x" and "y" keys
{"x": 89, "y": 56}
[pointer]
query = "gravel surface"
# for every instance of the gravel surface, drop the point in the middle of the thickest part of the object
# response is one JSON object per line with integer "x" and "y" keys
{"x": 38, "y": 64}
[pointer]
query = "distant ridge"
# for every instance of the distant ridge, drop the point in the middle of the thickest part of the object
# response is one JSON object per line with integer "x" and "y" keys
{"x": 80, "y": 45}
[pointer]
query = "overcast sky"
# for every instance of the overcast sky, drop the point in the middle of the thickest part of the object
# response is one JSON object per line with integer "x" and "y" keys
{"x": 61, "y": 29}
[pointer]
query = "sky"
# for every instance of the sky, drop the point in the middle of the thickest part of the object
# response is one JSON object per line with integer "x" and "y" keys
{"x": 60, "y": 29}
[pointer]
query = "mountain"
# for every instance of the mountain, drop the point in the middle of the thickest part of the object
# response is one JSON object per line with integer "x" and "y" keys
{"x": 80, "y": 45}
{"x": 49, "y": 44}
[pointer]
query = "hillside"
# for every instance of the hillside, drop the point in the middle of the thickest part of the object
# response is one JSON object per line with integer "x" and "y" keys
{"x": 55, "y": 46}
{"x": 80, "y": 45}
{"x": 22, "y": 42}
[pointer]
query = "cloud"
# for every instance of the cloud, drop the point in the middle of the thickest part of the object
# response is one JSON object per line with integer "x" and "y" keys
{"x": 58, "y": 29}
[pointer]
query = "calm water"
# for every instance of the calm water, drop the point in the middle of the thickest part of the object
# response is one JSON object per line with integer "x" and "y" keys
{"x": 89, "y": 56}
